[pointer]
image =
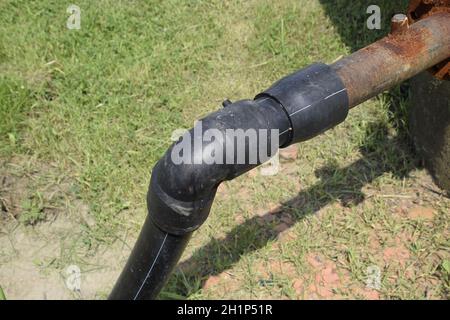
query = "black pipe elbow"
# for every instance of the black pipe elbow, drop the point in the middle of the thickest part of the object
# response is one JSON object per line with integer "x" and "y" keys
{"x": 184, "y": 182}
{"x": 220, "y": 147}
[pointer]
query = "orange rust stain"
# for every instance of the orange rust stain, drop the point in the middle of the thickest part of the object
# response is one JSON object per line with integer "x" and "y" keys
{"x": 442, "y": 70}
{"x": 405, "y": 44}
{"x": 420, "y": 9}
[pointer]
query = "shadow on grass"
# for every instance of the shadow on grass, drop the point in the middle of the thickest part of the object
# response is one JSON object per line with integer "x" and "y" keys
{"x": 382, "y": 154}
{"x": 349, "y": 17}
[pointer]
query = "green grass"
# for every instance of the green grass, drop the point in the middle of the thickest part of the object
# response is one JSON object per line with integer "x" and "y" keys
{"x": 15, "y": 102}
{"x": 100, "y": 103}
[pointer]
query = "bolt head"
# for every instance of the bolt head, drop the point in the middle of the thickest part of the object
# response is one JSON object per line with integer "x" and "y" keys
{"x": 399, "y": 18}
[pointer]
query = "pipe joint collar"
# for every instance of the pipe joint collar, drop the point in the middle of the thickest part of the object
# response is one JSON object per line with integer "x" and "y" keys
{"x": 315, "y": 100}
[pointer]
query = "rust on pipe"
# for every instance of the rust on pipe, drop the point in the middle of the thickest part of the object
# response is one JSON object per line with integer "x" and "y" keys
{"x": 395, "y": 58}
{"x": 420, "y": 9}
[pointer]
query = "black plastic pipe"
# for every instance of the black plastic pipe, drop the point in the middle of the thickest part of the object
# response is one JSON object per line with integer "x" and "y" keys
{"x": 153, "y": 258}
{"x": 298, "y": 107}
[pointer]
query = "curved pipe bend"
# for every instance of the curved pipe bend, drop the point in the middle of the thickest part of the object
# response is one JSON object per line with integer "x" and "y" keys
{"x": 185, "y": 180}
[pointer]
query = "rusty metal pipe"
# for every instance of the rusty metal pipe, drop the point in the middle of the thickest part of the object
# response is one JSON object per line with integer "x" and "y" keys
{"x": 395, "y": 58}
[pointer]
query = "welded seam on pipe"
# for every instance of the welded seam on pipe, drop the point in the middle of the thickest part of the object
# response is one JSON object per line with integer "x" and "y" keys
{"x": 151, "y": 268}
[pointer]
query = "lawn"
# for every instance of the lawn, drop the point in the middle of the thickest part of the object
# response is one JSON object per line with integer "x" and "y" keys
{"x": 85, "y": 114}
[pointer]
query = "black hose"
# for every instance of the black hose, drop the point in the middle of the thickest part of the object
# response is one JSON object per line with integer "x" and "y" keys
{"x": 298, "y": 107}
{"x": 154, "y": 256}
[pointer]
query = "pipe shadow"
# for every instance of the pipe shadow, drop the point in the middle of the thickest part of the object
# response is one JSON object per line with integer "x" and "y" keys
{"x": 381, "y": 154}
